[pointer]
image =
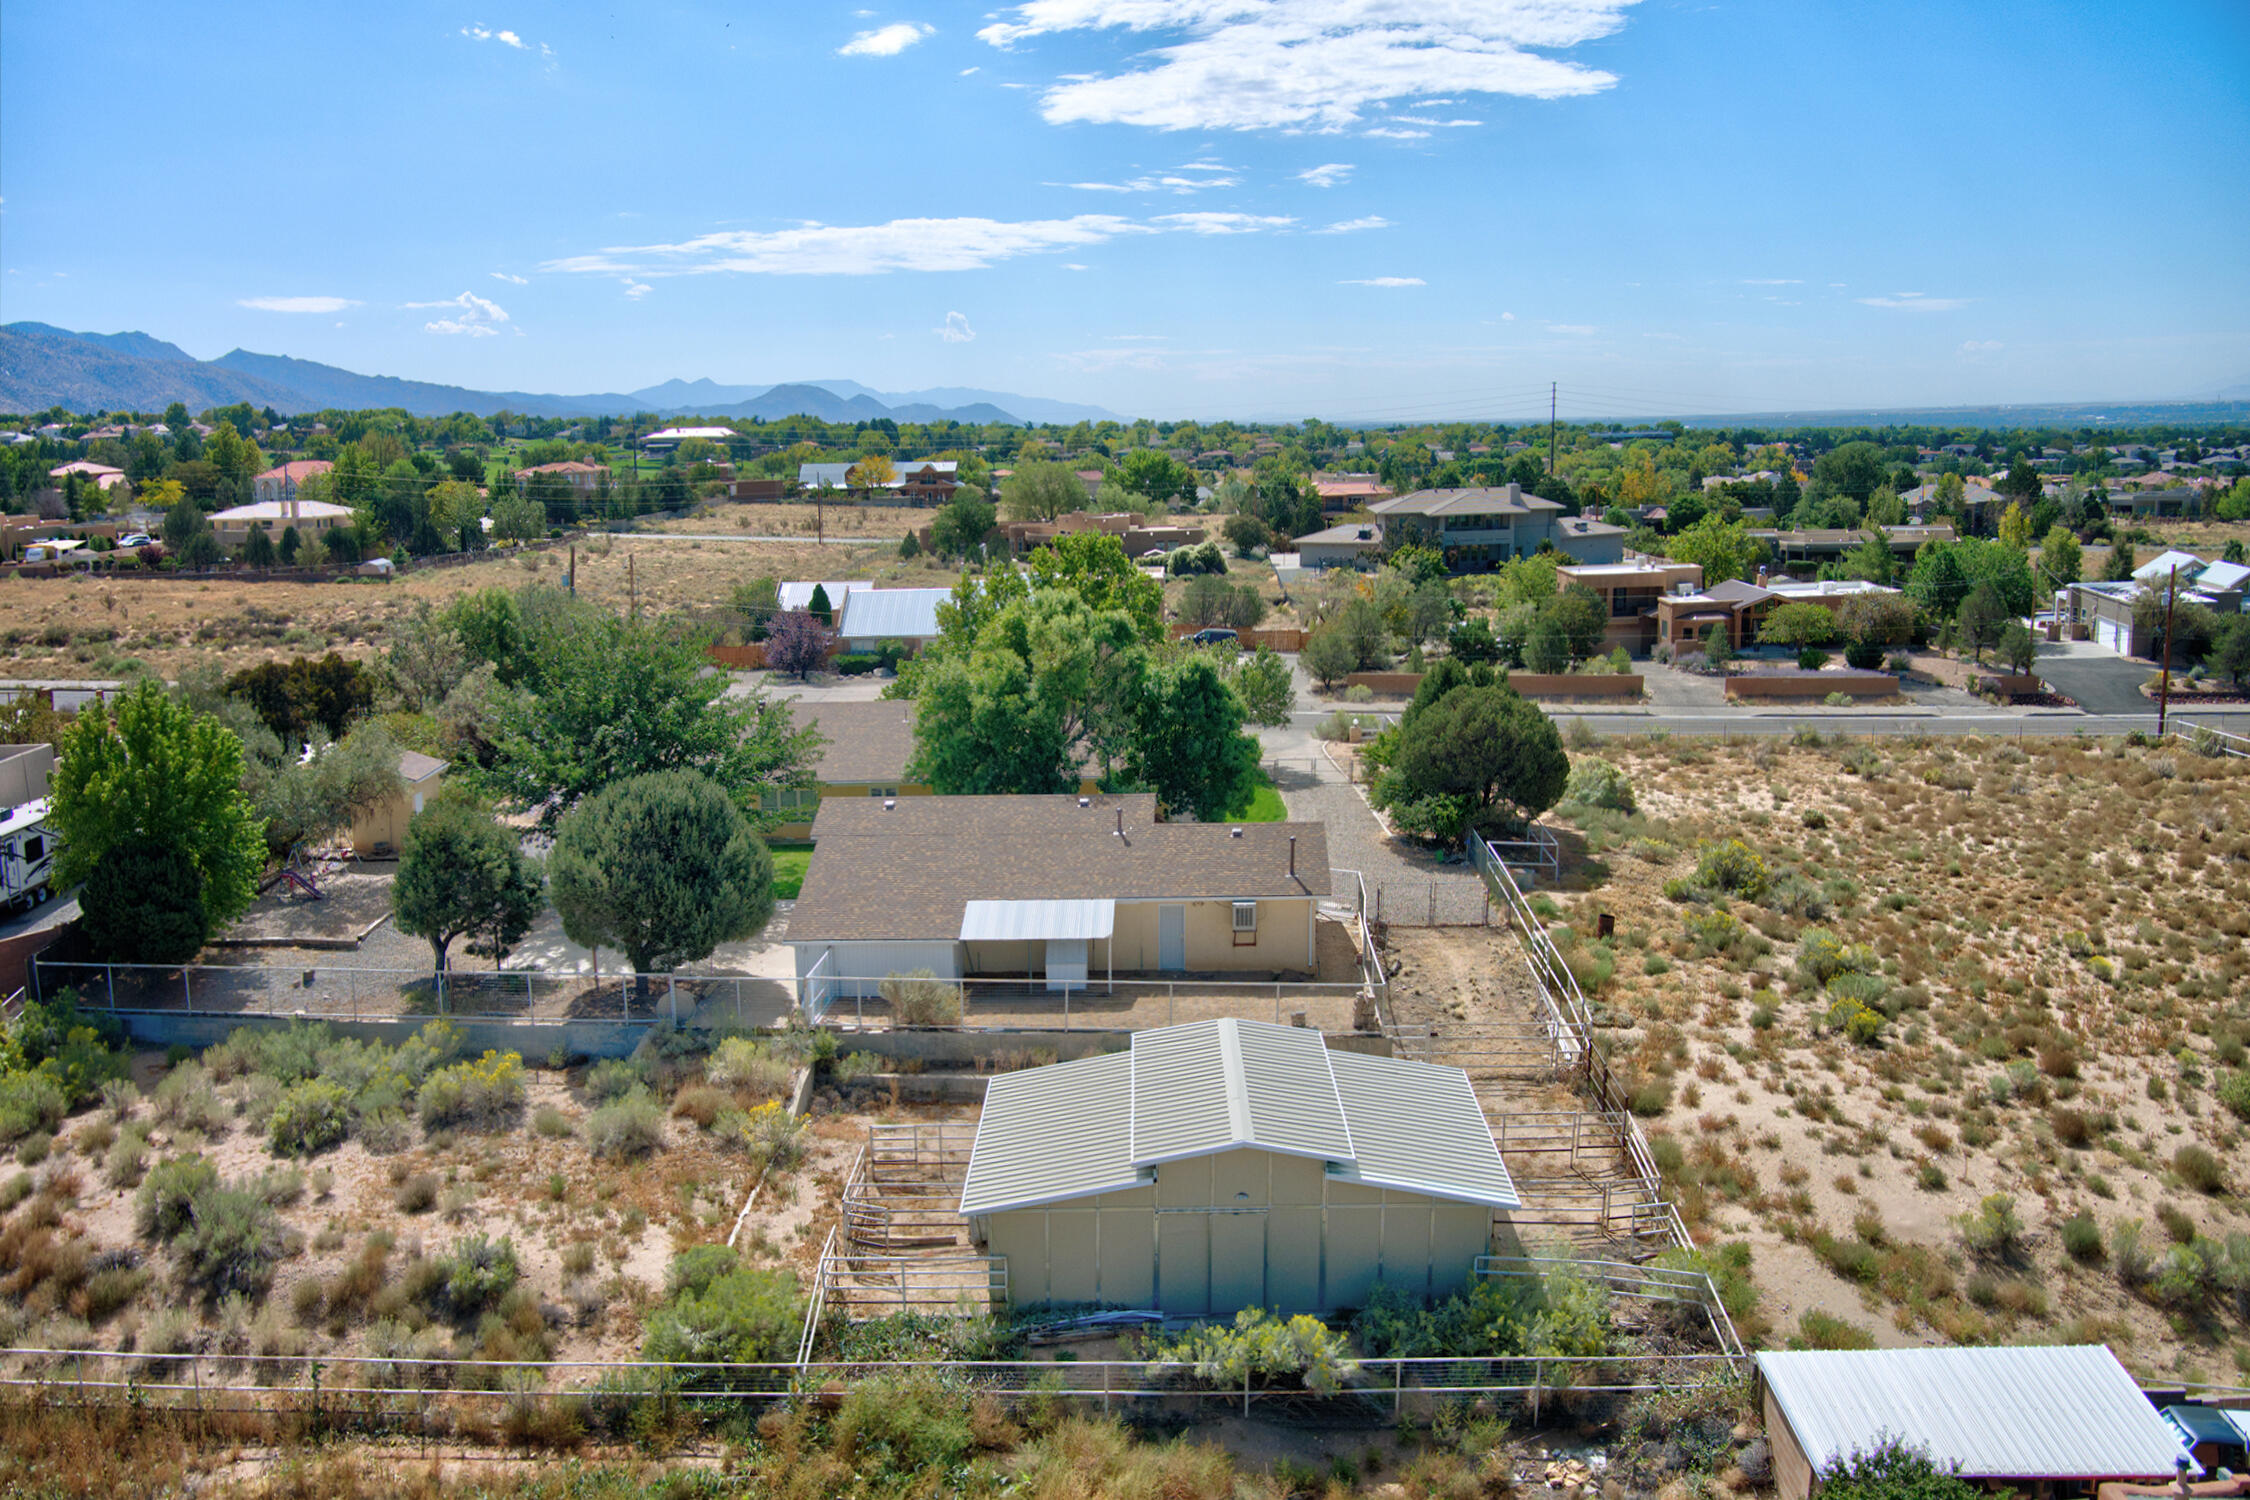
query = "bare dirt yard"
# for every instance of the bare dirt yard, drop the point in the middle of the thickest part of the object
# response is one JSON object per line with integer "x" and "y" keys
{"x": 1951, "y": 1034}
{"x": 801, "y": 517}
{"x": 107, "y": 627}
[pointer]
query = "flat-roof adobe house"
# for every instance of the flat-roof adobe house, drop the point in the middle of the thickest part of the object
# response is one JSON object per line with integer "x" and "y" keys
{"x": 1071, "y": 888}
{"x": 1227, "y": 1164}
{"x": 1630, "y": 592}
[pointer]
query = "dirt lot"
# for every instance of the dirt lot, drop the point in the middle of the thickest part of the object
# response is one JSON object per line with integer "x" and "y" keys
{"x": 792, "y": 518}
{"x": 94, "y": 627}
{"x": 2051, "y": 939}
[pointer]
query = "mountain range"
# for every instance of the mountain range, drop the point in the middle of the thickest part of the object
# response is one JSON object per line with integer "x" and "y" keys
{"x": 43, "y": 366}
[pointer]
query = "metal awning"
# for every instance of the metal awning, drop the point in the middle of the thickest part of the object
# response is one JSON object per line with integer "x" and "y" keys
{"x": 1019, "y": 921}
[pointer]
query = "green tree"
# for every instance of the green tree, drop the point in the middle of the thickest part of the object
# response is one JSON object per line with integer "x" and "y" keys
{"x": 1039, "y": 491}
{"x": 2059, "y": 557}
{"x": 663, "y": 868}
{"x": 461, "y": 874}
{"x": 1585, "y": 623}
{"x": 143, "y": 904}
{"x": 1982, "y": 616}
{"x": 291, "y": 545}
{"x": 257, "y": 548}
{"x": 607, "y": 699}
{"x": 1854, "y": 469}
{"x": 1723, "y": 549}
{"x": 962, "y": 524}
{"x": 1483, "y": 753}
{"x": 820, "y": 606}
{"x": 1938, "y": 582}
{"x": 2230, "y": 650}
{"x": 1329, "y": 655}
{"x": 1093, "y": 565}
{"x": 1158, "y": 476}
{"x": 236, "y": 459}
{"x": 1263, "y": 682}
{"x": 152, "y": 771}
{"x": 1796, "y": 625}
{"x": 1872, "y": 560}
{"x": 1190, "y": 748}
{"x": 424, "y": 660}
{"x": 2017, "y": 648}
{"x": 517, "y": 518}
{"x": 1547, "y": 648}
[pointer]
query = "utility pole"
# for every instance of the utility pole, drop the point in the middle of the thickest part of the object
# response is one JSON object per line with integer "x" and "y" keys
{"x": 1551, "y": 429}
{"x": 632, "y": 596}
{"x": 2164, "y": 683}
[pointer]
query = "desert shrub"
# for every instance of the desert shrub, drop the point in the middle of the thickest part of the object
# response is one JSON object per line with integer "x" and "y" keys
{"x": 1821, "y": 956}
{"x": 2129, "y": 1250}
{"x": 2082, "y": 1238}
{"x": 770, "y": 1136}
{"x": 920, "y": 998}
{"x": 231, "y": 1243}
{"x": 1713, "y": 931}
{"x": 120, "y": 1097}
{"x": 1856, "y": 1020}
{"x": 35, "y": 1148}
{"x": 127, "y": 1159}
{"x": 2233, "y": 1090}
{"x": 1595, "y": 782}
{"x": 551, "y": 1122}
{"x": 312, "y": 1116}
{"x": 418, "y": 1194}
{"x": 719, "y": 1311}
{"x": 482, "y": 1094}
{"x": 740, "y": 1063}
{"x": 1259, "y": 1348}
{"x": 478, "y": 1273}
{"x": 1893, "y": 1471}
{"x": 1819, "y": 1330}
{"x": 186, "y": 1100}
{"x": 702, "y": 1103}
{"x": 1733, "y": 867}
{"x": 163, "y": 1206}
{"x": 614, "y": 1078}
{"x": 628, "y": 1126}
{"x": 1555, "y": 1314}
{"x": 31, "y": 1101}
{"x": 1993, "y": 1230}
{"x": 1795, "y": 894}
{"x": 2200, "y": 1169}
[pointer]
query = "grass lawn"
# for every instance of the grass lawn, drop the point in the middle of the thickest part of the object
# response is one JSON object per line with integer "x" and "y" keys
{"x": 1265, "y": 804}
{"x": 789, "y": 871}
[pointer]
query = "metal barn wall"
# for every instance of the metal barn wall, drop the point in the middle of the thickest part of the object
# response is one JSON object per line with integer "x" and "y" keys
{"x": 1236, "y": 1229}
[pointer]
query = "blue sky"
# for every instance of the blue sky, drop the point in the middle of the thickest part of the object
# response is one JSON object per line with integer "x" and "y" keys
{"x": 1338, "y": 208}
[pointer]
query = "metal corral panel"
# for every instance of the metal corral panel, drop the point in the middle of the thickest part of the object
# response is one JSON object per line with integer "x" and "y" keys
{"x": 873, "y": 614}
{"x": 1021, "y": 921}
{"x": 1420, "y": 1128}
{"x": 1052, "y": 1133}
{"x": 2032, "y": 1413}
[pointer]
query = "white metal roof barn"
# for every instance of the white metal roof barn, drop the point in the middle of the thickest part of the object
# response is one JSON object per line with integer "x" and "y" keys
{"x": 2057, "y": 1419}
{"x": 1227, "y": 1164}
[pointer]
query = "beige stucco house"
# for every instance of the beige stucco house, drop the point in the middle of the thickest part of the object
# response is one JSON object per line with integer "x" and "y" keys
{"x": 1072, "y": 889}
{"x": 380, "y": 832}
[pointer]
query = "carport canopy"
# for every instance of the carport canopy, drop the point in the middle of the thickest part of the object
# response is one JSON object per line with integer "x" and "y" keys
{"x": 1049, "y": 921}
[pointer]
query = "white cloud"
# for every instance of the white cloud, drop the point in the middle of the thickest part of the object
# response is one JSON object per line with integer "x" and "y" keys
{"x": 1384, "y": 281}
{"x": 885, "y": 41}
{"x": 298, "y": 304}
{"x": 1387, "y": 133}
{"x": 1327, "y": 174}
{"x": 1435, "y": 124}
{"x": 1507, "y": 317}
{"x": 1581, "y": 329}
{"x": 474, "y": 318}
{"x": 956, "y": 329}
{"x": 1353, "y": 226}
{"x": 1225, "y": 223}
{"x": 854, "y": 249}
{"x": 1206, "y": 175}
{"x": 511, "y": 280}
{"x": 1071, "y": 265}
{"x": 1916, "y": 302}
{"x": 1261, "y": 65}
{"x": 1773, "y": 281}
{"x": 482, "y": 33}
{"x": 636, "y": 289}
{"x": 965, "y": 72}
{"x": 1981, "y": 346}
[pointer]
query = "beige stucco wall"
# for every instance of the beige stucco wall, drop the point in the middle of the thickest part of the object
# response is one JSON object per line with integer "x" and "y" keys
{"x": 1235, "y": 1229}
{"x": 1283, "y": 941}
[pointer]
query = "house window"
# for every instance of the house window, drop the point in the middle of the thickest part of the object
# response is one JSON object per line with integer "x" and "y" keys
{"x": 790, "y": 799}
{"x": 882, "y": 791}
{"x": 34, "y": 849}
{"x": 1245, "y": 916}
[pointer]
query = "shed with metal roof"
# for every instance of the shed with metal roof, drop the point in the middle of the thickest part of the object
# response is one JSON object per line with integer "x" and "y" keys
{"x": 1226, "y": 1164}
{"x": 2046, "y": 1420}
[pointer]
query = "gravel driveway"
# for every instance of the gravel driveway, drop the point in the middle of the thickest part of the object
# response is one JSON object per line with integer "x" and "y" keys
{"x": 1407, "y": 885}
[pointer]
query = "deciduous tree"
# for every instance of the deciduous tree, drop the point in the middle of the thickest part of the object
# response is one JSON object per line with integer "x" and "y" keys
{"x": 461, "y": 874}
{"x": 1189, "y": 746}
{"x": 798, "y": 642}
{"x": 1041, "y": 491}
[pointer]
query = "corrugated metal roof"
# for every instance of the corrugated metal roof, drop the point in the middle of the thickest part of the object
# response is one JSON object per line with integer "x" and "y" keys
{"x": 1052, "y": 1134}
{"x": 891, "y": 614}
{"x": 1047, "y": 1134}
{"x": 798, "y": 595}
{"x": 1029, "y": 921}
{"x": 2007, "y": 1413}
{"x": 1419, "y": 1128}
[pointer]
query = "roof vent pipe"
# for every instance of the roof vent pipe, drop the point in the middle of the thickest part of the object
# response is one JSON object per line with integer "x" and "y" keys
{"x": 889, "y": 803}
{"x": 1085, "y": 802}
{"x": 1235, "y": 832}
{"x": 1292, "y": 854}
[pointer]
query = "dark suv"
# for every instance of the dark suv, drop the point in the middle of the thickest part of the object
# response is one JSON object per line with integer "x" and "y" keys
{"x": 1213, "y": 636}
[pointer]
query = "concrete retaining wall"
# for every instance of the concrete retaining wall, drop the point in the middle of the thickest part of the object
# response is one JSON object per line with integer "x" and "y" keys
{"x": 1814, "y": 685}
{"x": 961, "y": 1049}
{"x": 534, "y": 1039}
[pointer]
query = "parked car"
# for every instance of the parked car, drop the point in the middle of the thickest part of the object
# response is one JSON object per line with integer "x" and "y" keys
{"x": 137, "y": 539}
{"x": 1214, "y": 635}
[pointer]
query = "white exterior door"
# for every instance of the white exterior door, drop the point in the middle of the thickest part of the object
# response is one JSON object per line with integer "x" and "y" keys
{"x": 1171, "y": 937}
{"x": 2110, "y": 633}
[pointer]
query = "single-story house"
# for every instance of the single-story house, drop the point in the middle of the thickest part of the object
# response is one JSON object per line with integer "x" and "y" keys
{"x": 799, "y": 594}
{"x": 2041, "y": 1421}
{"x": 1629, "y": 592}
{"x": 1354, "y": 544}
{"x": 380, "y": 832}
{"x": 281, "y": 482}
{"x": 1137, "y": 534}
{"x": 1343, "y": 493}
{"x": 868, "y": 747}
{"x": 101, "y": 476}
{"x": 1478, "y": 529}
{"x": 823, "y": 476}
{"x": 1683, "y": 618}
{"x": 2106, "y": 607}
{"x": 1072, "y": 888}
{"x": 869, "y": 616}
{"x": 1227, "y": 1164}
{"x": 312, "y": 518}
{"x": 664, "y": 440}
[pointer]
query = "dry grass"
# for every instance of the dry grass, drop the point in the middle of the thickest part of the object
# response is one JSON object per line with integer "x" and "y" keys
{"x": 2053, "y": 937}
